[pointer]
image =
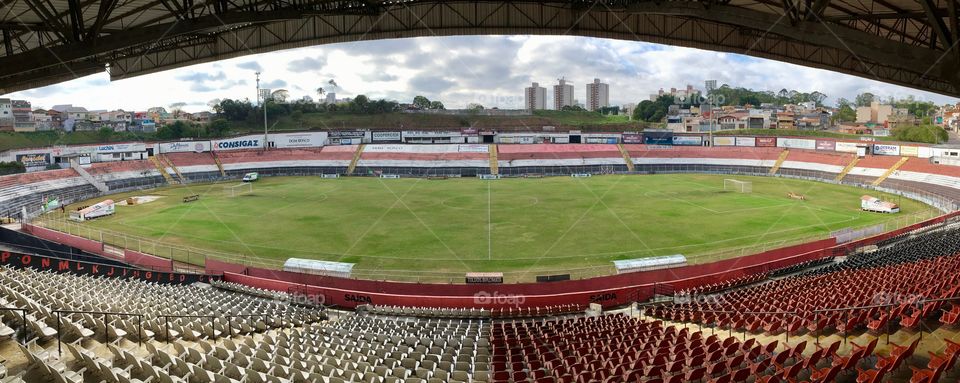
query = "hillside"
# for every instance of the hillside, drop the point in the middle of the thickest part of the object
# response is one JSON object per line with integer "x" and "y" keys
{"x": 561, "y": 120}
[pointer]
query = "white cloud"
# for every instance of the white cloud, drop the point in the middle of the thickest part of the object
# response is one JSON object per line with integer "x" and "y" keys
{"x": 491, "y": 70}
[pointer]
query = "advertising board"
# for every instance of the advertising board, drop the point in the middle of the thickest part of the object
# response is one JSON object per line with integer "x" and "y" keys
{"x": 767, "y": 142}
{"x": 34, "y": 160}
{"x": 185, "y": 146}
{"x": 238, "y": 143}
{"x": 886, "y": 150}
{"x": 796, "y": 143}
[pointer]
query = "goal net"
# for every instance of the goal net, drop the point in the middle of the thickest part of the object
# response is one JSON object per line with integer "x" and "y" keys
{"x": 737, "y": 186}
{"x": 238, "y": 189}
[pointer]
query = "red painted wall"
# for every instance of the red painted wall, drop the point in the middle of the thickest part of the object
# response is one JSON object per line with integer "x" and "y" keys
{"x": 66, "y": 239}
{"x": 608, "y": 291}
{"x": 147, "y": 261}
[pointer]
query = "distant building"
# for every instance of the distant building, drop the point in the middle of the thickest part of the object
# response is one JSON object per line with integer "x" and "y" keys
{"x": 535, "y": 97}
{"x": 331, "y": 98}
{"x": 876, "y": 113}
{"x": 628, "y": 109}
{"x": 41, "y": 120}
{"x": 598, "y": 95}
{"x": 6, "y": 115}
{"x": 785, "y": 120}
{"x": 202, "y": 117}
{"x": 56, "y": 119}
{"x": 22, "y": 116}
{"x": 678, "y": 94}
{"x": 562, "y": 95}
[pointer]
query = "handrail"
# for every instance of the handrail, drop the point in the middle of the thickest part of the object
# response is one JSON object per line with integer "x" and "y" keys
{"x": 213, "y": 318}
{"x": 106, "y": 324}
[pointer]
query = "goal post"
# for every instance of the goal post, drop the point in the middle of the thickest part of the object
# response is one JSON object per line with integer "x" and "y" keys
{"x": 737, "y": 186}
{"x": 238, "y": 189}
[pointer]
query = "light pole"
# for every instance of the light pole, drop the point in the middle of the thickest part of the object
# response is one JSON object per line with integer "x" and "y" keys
{"x": 710, "y": 85}
{"x": 263, "y": 94}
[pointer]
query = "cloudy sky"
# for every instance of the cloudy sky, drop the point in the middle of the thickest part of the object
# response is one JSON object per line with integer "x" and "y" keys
{"x": 489, "y": 70}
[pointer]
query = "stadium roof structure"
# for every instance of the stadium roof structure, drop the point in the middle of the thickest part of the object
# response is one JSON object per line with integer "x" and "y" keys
{"x": 906, "y": 42}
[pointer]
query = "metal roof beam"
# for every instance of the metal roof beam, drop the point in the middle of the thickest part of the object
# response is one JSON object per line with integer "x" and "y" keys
{"x": 40, "y": 58}
{"x": 76, "y": 19}
{"x": 936, "y": 23}
{"x": 7, "y": 43}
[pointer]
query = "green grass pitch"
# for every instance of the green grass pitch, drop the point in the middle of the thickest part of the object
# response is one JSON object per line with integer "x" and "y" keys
{"x": 400, "y": 228}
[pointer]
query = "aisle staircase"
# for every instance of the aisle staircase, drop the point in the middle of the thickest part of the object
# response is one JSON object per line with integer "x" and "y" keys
{"x": 356, "y": 159}
{"x": 162, "y": 169}
{"x": 165, "y": 160}
{"x": 626, "y": 157}
{"x": 847, "y": 169}
{"x": 102, "y": 187}
{"x": 890, "y": 171}
{"x": 216, "y": 159}
{"x": 494, "y": 164}
{"x": 783, "y": 157}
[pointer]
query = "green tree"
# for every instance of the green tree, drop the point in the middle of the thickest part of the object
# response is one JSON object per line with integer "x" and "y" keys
{"x": 845, "y": 111}
{"x": 218, "y": 128}
{"x": 11, "y": 167}
{"x": 360, "y": 104}
{"x": 437, "y": 105}
{"x": 175, "y": 131}
{"x": 653, "y": 111}
{"x": 930, "y": 134}
{"x": 421, "y": 102}
{"x": 864, "y": 99}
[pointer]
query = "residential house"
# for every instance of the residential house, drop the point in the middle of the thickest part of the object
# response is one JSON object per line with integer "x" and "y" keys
{"x": 6, "y": 115}
{"x": 42, "y": 120}
{"x": 22, "y": 116}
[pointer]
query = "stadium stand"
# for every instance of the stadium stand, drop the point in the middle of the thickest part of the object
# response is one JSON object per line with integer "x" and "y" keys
{"x": 473, "y": 313}
{"x": 229, "y": 332}
{"x": 169, "y": 311}
{"x": 926, "y": 265}
{"x": 559, "y": 159}
{"x": 443, "y": 159}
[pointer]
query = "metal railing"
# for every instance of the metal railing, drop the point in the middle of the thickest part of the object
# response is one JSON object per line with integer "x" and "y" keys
{"x": 213, "y": 319}
{"x": 187, "y": 256}
{"x": 106, "y": 324}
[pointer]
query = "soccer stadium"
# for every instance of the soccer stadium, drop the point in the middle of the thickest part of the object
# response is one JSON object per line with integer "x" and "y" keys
{"x": 484, "y": 263}
{"x": 360, "y": 240}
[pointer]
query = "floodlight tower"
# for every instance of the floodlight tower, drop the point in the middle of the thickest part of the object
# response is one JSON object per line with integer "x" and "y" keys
{"x": 263, "y": 94}
{"x": 710, "y": 85}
